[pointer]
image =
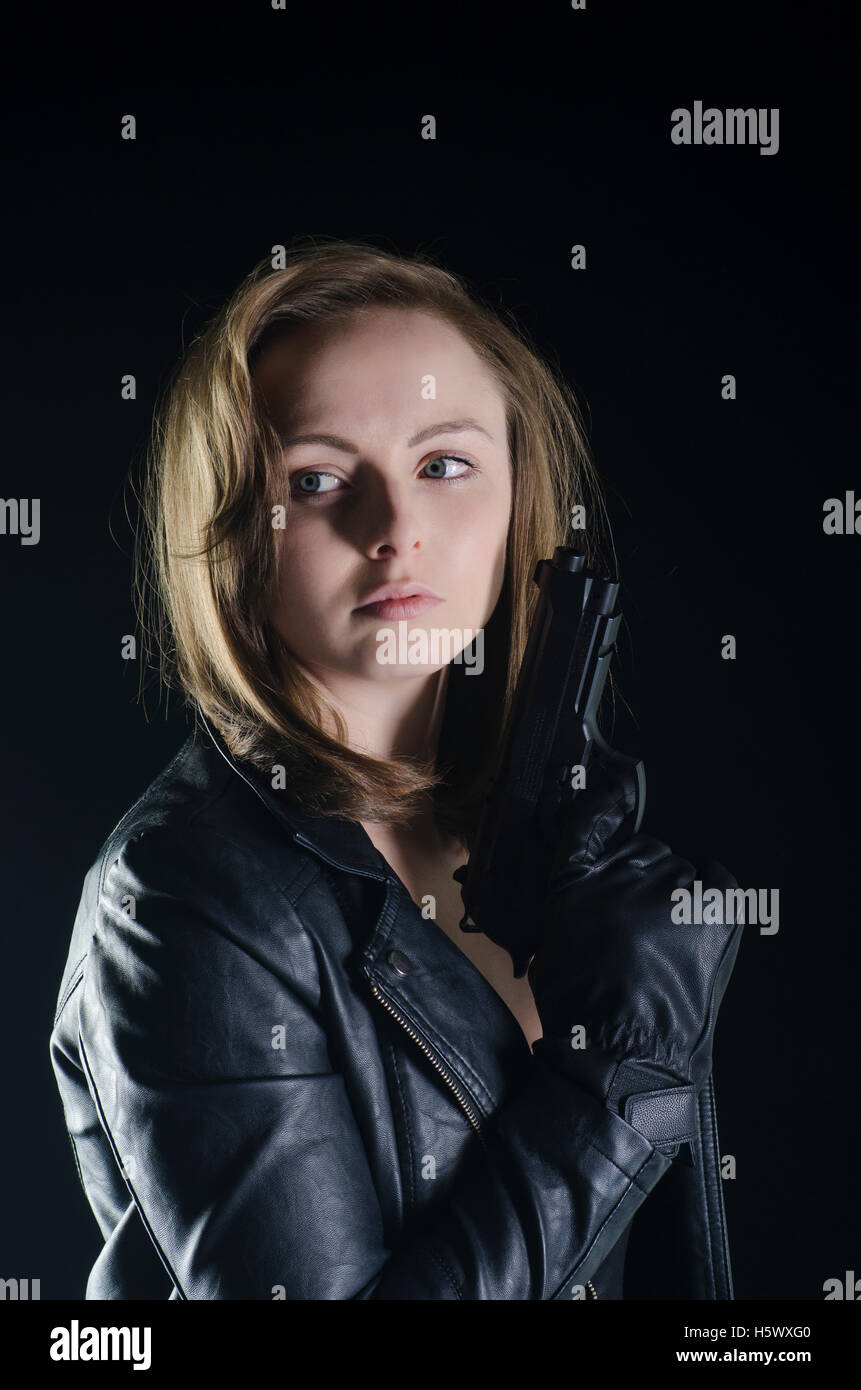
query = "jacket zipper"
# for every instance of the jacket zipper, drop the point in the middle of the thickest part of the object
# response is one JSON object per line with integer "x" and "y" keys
{"x": 465, "y": 1107}
{"x": 456, "y": 1092}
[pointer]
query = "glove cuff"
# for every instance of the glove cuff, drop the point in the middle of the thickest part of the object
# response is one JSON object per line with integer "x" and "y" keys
{"x": 665, "y": 1114}
{"x": 651, "y": 1100}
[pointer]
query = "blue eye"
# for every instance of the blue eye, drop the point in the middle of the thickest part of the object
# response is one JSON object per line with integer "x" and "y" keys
{"x": 307, "y": 477}
{"x": 443, "y": 458}
{"x": 309, "y": 482}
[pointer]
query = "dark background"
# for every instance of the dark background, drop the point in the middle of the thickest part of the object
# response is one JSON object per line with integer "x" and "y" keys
{"x": 255, "y": 126}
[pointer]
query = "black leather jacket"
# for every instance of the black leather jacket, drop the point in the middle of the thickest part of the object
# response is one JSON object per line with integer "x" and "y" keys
{"x": 281, "y": 1081}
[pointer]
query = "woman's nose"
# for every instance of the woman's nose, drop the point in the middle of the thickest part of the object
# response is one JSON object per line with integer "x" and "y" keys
{"x": 392, "y": 524}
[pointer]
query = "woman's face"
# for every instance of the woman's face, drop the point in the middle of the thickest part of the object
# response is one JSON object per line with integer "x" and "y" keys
{"x": 411, "y": 483}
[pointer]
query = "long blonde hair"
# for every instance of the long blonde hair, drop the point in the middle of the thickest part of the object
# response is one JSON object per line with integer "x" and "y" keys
{"x": 206, "y": 551}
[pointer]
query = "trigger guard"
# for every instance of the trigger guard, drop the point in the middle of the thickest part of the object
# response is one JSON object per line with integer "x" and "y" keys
{"x": 624, "y": 762}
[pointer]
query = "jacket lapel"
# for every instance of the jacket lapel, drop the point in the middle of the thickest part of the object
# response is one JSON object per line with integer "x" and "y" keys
{"x": 420, "y": 972}
{"x": 446, "y": 999}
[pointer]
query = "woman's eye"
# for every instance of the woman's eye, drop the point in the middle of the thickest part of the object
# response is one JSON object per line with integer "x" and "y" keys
{"x": 307, "y": 484}
{"x": 442, "y": 459}
{"x": 311, "y": 484}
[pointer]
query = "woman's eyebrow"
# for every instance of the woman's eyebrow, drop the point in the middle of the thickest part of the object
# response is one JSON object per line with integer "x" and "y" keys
{"x": 333, "y": 441}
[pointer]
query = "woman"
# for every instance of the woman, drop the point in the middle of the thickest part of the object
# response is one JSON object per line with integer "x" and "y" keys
{"x": 286, "y": 1072}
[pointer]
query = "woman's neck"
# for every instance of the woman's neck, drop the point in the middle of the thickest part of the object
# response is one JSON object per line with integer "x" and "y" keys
{"x": 414, "y": 845}
{"x": 388, "y": 719}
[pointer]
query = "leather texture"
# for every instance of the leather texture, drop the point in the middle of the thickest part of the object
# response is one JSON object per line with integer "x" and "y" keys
{"x": 281, "y": 1081}
{"x": 614, "y": 968}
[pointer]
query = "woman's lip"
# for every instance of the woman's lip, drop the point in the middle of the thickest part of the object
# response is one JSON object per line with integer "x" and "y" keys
{"x": 399, "y": 607}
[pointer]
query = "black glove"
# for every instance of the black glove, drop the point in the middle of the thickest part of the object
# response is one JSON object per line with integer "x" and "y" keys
{"x": 646, "y": 989}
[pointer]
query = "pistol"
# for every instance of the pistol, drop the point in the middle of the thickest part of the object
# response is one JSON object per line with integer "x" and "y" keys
{"x": 545, "y": 752}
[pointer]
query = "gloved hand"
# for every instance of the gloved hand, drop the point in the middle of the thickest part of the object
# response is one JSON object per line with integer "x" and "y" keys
{"x": 646, "y": 990}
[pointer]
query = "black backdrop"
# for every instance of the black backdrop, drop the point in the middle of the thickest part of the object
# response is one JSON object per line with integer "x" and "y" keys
{"x": 553, "y": 128}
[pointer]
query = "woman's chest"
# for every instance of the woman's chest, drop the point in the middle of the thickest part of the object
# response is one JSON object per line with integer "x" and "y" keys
{"x": 437, "y": 894}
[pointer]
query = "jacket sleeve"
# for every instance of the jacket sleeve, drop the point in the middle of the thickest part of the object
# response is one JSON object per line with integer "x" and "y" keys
{"x": 213, "y": 1082}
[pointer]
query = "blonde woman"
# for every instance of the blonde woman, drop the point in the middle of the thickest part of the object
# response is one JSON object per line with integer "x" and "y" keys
{"x": 286, "y": 1072}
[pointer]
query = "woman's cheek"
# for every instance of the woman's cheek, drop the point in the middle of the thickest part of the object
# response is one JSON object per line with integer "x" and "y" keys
{"x": 305, "y": 564}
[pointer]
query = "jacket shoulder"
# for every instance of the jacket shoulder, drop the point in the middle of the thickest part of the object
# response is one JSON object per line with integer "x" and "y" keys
{"x": 197, "y": 824}
{"x": 198, "y": 796}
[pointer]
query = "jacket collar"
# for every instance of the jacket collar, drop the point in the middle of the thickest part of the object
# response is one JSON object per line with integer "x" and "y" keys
{"x": 342, "y": 843}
